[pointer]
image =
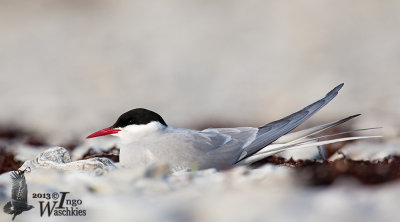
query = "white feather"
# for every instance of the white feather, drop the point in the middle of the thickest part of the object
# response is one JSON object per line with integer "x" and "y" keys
{"x": 276, "y": 148}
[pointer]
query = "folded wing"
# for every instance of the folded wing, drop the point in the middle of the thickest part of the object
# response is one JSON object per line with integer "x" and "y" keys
{"x": 270, "y": 132}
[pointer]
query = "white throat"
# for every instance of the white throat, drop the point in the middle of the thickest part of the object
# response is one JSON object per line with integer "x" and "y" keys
{"x": 134, "y": 133}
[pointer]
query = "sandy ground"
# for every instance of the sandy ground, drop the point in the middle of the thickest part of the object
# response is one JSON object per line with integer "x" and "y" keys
{"x": 240, "y": 194}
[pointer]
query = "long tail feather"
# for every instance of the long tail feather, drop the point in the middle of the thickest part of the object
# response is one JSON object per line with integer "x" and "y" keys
{"x": 272, "y": 131}
{"x": 303, "y": 136}
{"x": 312, "y": 139}
{"x": 342, "y": 133}
{"x": 281, "y": 147}
{"x": 295, "y": 136}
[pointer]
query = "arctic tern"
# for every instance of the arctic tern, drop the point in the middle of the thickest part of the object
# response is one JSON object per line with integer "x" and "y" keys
{"x": 19, "y": 194}
{"x": 146, "y": 138}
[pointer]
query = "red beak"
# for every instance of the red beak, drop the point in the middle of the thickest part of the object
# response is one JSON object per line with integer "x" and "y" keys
{"x": 103, "y": 132}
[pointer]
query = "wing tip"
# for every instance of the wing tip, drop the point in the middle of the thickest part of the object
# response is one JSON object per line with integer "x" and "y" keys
{"x": 351, "y": 117}
{"x": 336, "y": 89}
{"x": 354, "y": 116}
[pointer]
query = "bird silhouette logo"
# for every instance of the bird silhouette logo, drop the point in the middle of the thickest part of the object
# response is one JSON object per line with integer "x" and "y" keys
{"x": 19, "y": 193}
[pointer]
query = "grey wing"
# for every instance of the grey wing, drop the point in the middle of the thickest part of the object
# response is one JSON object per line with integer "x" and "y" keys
{"x": 242, "y": 135}
{"x": 272, "y": 131}
{"x": 19, "y": 190}
{"x": 225, "y": 154}
{"x": 7, "y": 208}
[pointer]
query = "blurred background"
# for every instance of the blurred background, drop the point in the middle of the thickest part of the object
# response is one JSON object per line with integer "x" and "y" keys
{"x": 69, "y": 68}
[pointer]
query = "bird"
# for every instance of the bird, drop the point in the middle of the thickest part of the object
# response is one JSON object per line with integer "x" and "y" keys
{"x": 145, "y": 138}
{"x": 19, "y": 193}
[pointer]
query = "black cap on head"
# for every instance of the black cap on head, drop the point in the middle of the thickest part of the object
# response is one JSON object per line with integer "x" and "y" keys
{"x": 137, "y": 116}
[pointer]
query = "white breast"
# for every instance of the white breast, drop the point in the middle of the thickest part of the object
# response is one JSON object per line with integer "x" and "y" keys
{"x": 146, "y": 144}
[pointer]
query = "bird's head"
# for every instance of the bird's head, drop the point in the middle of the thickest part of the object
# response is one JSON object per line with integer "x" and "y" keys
{"x": 134, "y": 122}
